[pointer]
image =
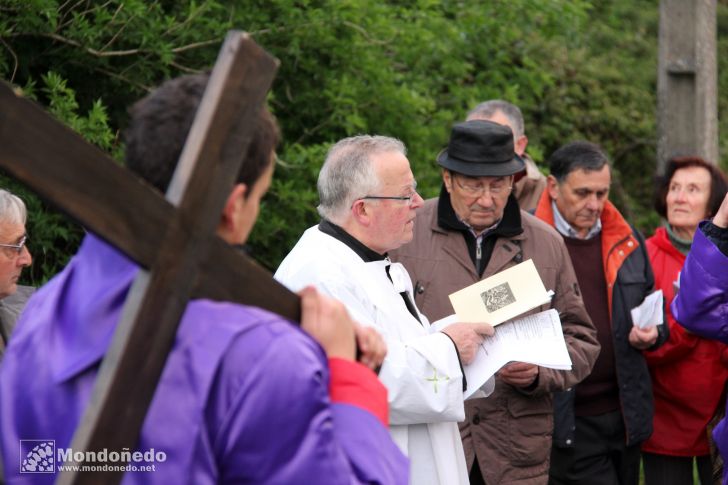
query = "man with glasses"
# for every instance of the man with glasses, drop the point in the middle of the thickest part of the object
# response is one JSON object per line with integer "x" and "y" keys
{"x": 473, "y": 230}
{"x": 14, "y": 256}
{"x": 368, "y": 199}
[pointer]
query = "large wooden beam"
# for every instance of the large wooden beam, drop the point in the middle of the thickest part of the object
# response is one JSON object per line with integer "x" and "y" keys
{"x": 85, "y": 183}
{"x": 173, "y": 239}
{"x": 687, "y": 81}
{"x": 204, "y": 175}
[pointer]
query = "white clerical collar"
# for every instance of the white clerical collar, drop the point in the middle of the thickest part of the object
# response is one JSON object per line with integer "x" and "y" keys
{"x": 567, "y": 230}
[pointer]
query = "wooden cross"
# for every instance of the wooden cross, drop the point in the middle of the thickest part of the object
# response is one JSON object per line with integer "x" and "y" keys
{"x": 173, "y": 239}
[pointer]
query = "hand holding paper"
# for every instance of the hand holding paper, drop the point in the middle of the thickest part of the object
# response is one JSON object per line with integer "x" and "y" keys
{"x": 536, "y": 339}
{"x": 643, "y": 338}
{"x": 649, "y": 312}
{"x": 519, "y": 374}
{"x": 467, "y": 337}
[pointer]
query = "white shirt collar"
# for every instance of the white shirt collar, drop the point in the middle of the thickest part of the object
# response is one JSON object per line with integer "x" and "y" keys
{"x": 567, "y": 230}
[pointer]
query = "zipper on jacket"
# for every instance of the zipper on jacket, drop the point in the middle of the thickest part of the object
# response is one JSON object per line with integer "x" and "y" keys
{"x": 478, "y": 253}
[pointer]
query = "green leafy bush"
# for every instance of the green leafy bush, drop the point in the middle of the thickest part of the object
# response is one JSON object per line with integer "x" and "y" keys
{"x": 408, "y": 68}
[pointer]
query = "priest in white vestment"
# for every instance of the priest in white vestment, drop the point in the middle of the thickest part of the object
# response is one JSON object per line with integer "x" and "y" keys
{"x": 368, "y": 201}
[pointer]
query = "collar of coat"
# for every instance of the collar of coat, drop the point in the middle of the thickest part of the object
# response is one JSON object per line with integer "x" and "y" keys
{"x": 618, "y": 240}
{"x": 509, "y": 225}
{"x": 662, "y": 241}
{"x": 337, "y": 232}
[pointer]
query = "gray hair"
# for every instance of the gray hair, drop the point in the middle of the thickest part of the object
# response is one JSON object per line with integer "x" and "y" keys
{"x": 348, "y": 173}
{"x": 12, "y": 208}
{"x": 488, "y": 109}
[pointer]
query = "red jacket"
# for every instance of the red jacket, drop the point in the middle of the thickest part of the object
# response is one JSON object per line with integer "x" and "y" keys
{"x": 689, "y": 373}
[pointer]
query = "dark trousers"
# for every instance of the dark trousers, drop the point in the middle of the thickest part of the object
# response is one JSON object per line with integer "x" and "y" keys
{"x": 476, "y": 477}
{"x": 599, "y": 456}
{"x": 675, "y": 470}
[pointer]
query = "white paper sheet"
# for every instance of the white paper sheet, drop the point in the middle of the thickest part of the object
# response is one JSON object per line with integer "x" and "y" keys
{"x": 649, "y": 312}
{"x": 536, "y": 339}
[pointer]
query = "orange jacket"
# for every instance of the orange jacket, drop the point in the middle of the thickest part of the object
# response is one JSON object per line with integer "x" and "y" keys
{"x": 618, "y": 242}
{"x": 629, "y": 280}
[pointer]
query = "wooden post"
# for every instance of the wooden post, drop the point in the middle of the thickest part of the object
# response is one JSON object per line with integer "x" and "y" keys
{"x": 687, "y": 81}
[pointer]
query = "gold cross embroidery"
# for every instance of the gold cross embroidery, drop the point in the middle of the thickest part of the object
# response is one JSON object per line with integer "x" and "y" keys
{"x": 435, "y": 380}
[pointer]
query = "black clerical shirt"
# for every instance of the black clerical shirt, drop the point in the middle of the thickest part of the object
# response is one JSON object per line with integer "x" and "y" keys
{"x": 366, "y": 254}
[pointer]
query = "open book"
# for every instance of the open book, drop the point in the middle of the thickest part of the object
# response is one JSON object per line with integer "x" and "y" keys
{"x": 501, "y": 297}
{"x": 537, "y": 339}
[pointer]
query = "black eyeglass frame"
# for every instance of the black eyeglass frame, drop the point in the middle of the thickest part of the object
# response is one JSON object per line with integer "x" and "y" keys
{"x": 388, "y": 197}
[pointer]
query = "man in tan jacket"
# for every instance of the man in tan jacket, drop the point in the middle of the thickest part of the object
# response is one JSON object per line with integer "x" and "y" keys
{"x": 473, "y": 230}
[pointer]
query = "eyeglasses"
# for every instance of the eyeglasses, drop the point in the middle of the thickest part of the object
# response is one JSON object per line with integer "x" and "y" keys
{"x": 405, "y": 198}
{"x": 477, "y": 190}
{"x": 16, "y": 248}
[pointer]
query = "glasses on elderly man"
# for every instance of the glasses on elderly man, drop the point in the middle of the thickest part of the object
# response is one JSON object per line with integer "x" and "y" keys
{"x": 16, "y": 248}
{"x": 404, "y": 198}
{"x": 497, "y": 187}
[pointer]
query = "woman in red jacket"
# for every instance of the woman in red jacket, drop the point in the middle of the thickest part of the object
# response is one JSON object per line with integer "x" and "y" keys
{"x": 689, "y": 373}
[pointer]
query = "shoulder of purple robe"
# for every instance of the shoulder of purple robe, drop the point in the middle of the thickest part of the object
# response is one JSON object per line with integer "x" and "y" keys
{"x": 701, "y": 304}
{"x": 275, "y": 422}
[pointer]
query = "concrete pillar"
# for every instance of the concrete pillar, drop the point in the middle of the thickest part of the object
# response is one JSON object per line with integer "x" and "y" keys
{"x": 687, "y": 81}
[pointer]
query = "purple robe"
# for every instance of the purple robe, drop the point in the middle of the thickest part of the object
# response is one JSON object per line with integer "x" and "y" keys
{"x": 243, "y": 397}
{"x": 701, "y": 306}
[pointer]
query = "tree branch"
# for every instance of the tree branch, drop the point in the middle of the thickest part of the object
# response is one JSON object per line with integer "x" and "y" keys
{"x": 125, "y": 79}
{"x": 121, "y": 29}
{"x": 189, "y": 19}
{"x": 62, "y": 24}
{"x": 117, "y": 53}
{"x": 15, "y": 58}
{"x": 90, "y": 50}
{"x": 186, "y": 69}
{"x": 363, "y": 32}
{"x": 195, "y": 45}
{"x": 309, "y": 132}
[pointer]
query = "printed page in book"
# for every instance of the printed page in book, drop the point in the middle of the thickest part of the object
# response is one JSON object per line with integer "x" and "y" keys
{"x": 501, "y": 297}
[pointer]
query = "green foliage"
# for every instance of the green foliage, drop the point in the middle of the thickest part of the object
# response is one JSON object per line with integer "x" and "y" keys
{"x": 406, "y": 68}
{"x": 53, "y": 239}
{"x": 722, "y": 13}
{"x": 86, "y": 62}
{"x": 605, "y": 91}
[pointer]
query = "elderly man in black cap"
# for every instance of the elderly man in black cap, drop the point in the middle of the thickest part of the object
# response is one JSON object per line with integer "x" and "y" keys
{"x": 474, "y": 230}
